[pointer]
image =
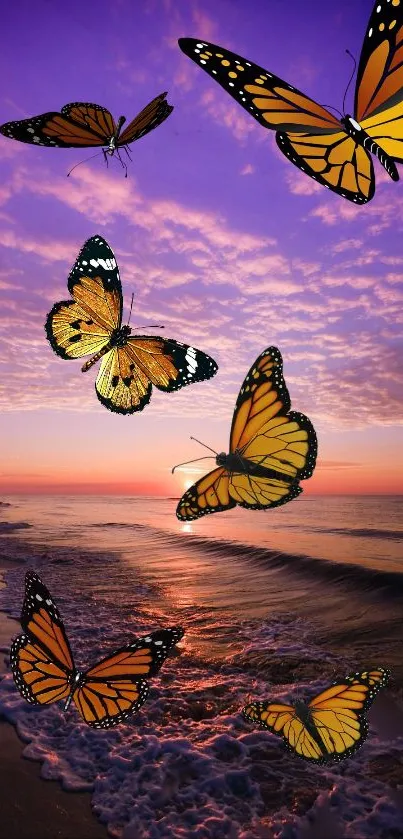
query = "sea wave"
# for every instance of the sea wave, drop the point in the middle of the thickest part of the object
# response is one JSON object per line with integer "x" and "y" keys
{"x": 8, "y": 526}
{"x": 359, "y": 533}
{"x": 188, "y": 764}
{"x": 388, "y": 583}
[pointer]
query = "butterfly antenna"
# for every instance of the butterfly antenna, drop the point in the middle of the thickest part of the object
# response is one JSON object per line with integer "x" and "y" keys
{"x": 206, "y": 457}
{"x": 131, "y": 309}
{"x": 150, "y": 326}
{"x": 203, "y": 444}
{"x": 332, "y": 108}
{"x": 83, "y": 161}
{"x": 350, "y": 80}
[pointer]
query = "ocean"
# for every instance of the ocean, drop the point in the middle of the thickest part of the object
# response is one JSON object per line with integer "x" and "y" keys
{"x": 271, "y": 603}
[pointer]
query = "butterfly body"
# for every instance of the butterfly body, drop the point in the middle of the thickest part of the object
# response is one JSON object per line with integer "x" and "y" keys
{"x": 332, "y": 726}
{"x": 357, "y": 133}
{"x": 91, "y": 324}
{"x": 334, "y": 152}
{"x": 271, "y": 449}
{"x": 118, "y": 338}
{"x": 44, "y": 671}
{"x": 235, "y": 463}
{"x": 115, "y": 137}
{"x": 304, "y": 714}
{"x": 77, "y": 680}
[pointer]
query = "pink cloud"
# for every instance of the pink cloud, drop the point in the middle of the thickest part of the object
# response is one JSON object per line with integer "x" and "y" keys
{"x": 50, "y": 251}
{"x": 223, "y": 111}
{"x": 301, "y": 184}
{"x": 248, "y": 169}
{"x": 346, "y": 245}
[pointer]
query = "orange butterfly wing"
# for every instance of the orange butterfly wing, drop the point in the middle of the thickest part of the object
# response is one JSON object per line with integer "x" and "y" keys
{"x": 79, "y": 124}
{"x": 84, "y": 324}
{"x": 94, "y": 118}
{"x": 334, "y": 160}
{"x": 376, "y": 678}
{"x": 38, "y": 678}
{"x": 380, "y": 70}
{"x": 208, "y": 495}
{"x": 271, "y": 101}
{"x": 41, "y": 621}
{"x": 41, "y": 659}
{"x": 114, "y": 688}
{"x": 263, "y": 428}
{"x": 283, "y": 720}
{"x": 150, "y": 117}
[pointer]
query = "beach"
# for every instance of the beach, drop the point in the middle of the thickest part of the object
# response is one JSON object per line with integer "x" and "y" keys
{"x": 258, "y": 622}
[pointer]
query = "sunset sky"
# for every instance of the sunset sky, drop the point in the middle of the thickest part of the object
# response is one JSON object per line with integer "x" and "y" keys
{"x": 220, "y": 238}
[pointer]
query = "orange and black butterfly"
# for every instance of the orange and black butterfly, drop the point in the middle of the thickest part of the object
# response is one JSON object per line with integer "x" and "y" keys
{"x": 44, "y": 672}
{"x": 271, "y": 449}
{"x": 91, "y": 324}
{"x": 335, "y": 152}
{"x": 332, "y": 726}
{"x": 83, "y": 125}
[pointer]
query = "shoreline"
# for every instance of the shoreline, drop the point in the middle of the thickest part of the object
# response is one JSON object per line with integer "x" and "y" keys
{"x": 30, "y": 806}
{"x": 72, "y": 818}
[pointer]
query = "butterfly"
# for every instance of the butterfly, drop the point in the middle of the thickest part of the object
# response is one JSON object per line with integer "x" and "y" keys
{"x": 331, "y": 727}
{"x": 83, "y": 124}
{"x": 334, "y": 152}
{"x": 91, "y": 323}
{"x": 271, "y": 449}
{"x": 44, "y": 671}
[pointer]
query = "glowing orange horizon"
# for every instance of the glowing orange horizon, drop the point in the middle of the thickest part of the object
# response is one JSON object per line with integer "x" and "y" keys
{"x": 365, "y": 481}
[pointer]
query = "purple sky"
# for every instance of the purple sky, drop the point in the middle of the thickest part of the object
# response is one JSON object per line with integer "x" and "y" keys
{"x": 218, "y": 235}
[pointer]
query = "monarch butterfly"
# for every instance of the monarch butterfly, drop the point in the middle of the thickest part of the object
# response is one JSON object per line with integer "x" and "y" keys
{"x": 44, "y": 671}
{"x": 332, "y": 151}
{"x": 271, "y": 449}
{"x": 83, "y": 124}
{"x": 331, "y": 727}
{"x": 91, "y": 323}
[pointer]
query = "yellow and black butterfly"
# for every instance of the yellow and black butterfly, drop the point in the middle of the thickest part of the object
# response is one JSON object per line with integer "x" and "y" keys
{"x": 332, "y": 726}
{"x": 334, "y": 152}
{"x": 83, "y": 125}
{"x": 44, "y": 671}
{"x": 91, "y": 323}
{"x": 271, "y": 449}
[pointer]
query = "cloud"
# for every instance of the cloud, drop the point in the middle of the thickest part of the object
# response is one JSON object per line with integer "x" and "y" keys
{"x": 10, "y": 149}
{"x": 301, "y": 184}
{"x": 382, "y": 212}
{"x": 229, "y": 291}
{"x": 248, "y": 169}
{"x": 52, "y": 251}
{"x": 346, "y": 245}
{"x": 221, "y": 109}
{"x": 356, "y": 281}
{"x": 335, "y": 210}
